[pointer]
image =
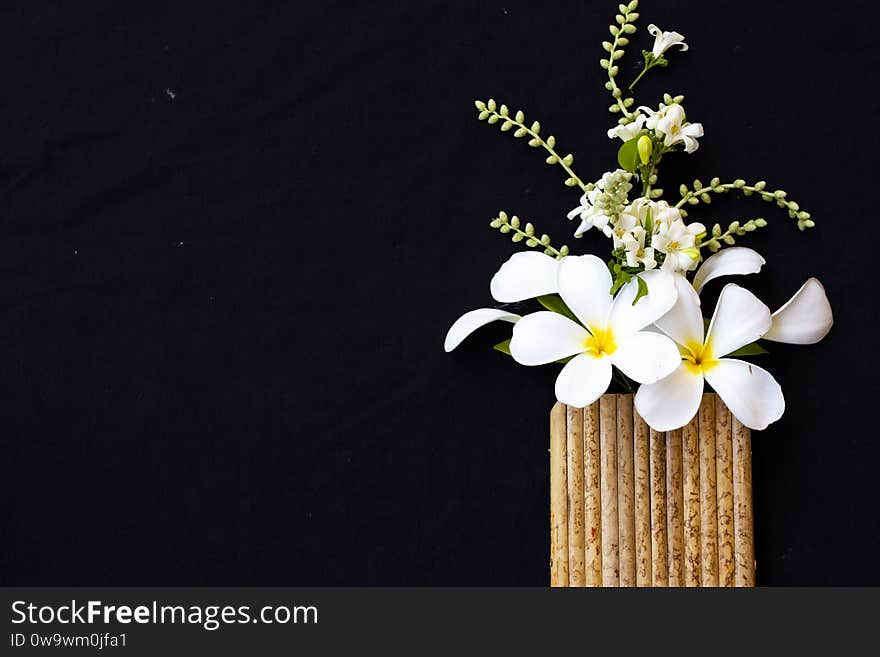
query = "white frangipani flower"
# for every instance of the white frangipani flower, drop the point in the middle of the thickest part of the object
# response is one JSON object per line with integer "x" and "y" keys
{"x": 663, "y": 41}
{"x": 806, "y": 318}
{"x": 678, "y": 241}
{"x": 735, "y": 260}
{"x": 673, "y": 125}
{"x": 524, "y": 276}
{"x": 613, "y": 333}
{"x": 630, "y": 130}
{"x": 750, "y": 392}
{"x": 473, "y": 320}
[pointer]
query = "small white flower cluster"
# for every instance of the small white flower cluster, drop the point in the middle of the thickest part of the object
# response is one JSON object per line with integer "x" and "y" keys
{"x": 642, "y": 228}
{"x": 605, "y": 201}
{"x": 668, "y": 122}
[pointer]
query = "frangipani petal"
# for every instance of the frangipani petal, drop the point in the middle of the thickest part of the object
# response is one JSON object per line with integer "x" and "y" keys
{"x": 625, "y": 318}
{"x": 684, "y": 321}
{"x": 471, "y": 321}
{"x": 646, "y": 357}
{"x": 735, "y": 260}
{"x": 806, "y": 318}
{"x": 544, "y": 337}
{"x": 740, "y": 318}
{"x": 583, "y": 380}
{"x": 671, "y": 402}
{"x": 585, "y": 285}
{"x": 750, "y": 392}
{"x": 524, "y": 276}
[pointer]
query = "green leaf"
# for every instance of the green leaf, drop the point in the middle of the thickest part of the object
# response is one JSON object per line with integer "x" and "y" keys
{"x": 628, "y": 155}
{"x": 620, "y": 279}
{"x": 503, "y": 347}
{"x": 642, "y": 291}
{"x": 554, "y": 303}
{"x": 752, "y": 349}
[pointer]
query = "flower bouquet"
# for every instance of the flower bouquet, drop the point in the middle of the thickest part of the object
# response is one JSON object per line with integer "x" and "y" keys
{"x": 634, "y": 316}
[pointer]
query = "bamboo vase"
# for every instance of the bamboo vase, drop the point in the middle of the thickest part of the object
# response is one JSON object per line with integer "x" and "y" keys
{"x": 630, "y": 506}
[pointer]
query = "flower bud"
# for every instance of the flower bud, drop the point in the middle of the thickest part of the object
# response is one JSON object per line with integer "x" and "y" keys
{"x": 645, "y": 146}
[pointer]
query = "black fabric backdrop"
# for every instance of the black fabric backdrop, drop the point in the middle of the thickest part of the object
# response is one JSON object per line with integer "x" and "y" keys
{"x": 233, "y": 238}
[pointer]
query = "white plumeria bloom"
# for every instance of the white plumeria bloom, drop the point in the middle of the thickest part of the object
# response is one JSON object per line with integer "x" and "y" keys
{"x": 636, "y": 252}
{"x": 663, "y": 41}
{"x": 524, "y": 276}
{"x": 589, "y": 215}
{"x": 630, "y": 130}
{"x": 806, "y": 318}
{"x": 613, "y": 333}
{"x": 471, "y": 321}
{"x": 672, "y": 124}
{"x": 735, "y": 260}
{"x": 678, "y": 241}
{"x": 750, "y": 392}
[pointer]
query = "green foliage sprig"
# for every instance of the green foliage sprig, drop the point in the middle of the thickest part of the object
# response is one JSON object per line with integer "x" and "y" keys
{"x": 526, "y": 233}
{"x": 699, "y": 193}
{"x": 492, "y": 113}
{"x": 625, "y": 25}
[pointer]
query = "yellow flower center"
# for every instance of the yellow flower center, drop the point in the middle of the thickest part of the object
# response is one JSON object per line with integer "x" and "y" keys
{"x": 698, "y": 357}
{"x": 673, "y": 129}
{"x": 600, "y": 343}
{"x": 673, "y": 245}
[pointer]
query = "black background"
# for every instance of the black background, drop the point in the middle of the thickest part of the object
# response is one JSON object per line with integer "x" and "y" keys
{"x": 232, "y": 238}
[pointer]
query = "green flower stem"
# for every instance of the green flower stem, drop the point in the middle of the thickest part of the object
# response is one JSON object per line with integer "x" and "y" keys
{"x": 512, "y": 224}
{"x": 703, "y": 194}
{"x": 492, "y": 113}
{"x": 647, "y": 68}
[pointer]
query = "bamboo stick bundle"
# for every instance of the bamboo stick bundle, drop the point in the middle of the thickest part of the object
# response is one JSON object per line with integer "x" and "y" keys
{"x": 690, "y": 449}
{"x": 625, "y": 491}
{"x": 558, "y": 501}
{"x": 658, "y": 508}
{"x": 744, "y": 548}
{"x": 724, "y": 481}
{"x": 592, "y": 497}
{"x": 708, "y": 504}
{"x": 631, "y": 506}
{"x": 575, "y": 480}
{"x": 642, "y": 469}
{"x": 608, "y": 483}
{"x": 674, "y": 508}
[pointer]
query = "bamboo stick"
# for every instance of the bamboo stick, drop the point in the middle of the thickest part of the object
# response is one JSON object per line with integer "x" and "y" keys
{"x": 691, "y": 497}
{"x": 625, "y": 490}
{"x": 558, "y": 501}
{"x": 608, "y": 483}
{"x": 724, "y": 474}
{"x": 575, "y": 471}
{"x": 658, "y": 509}
{"x": 743, "y": 521}
{"x": 674, "y": 508}
{"x": 592, "y": 497}
{"x": 708, "y": 504}
{"x": 642, "y": 467}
